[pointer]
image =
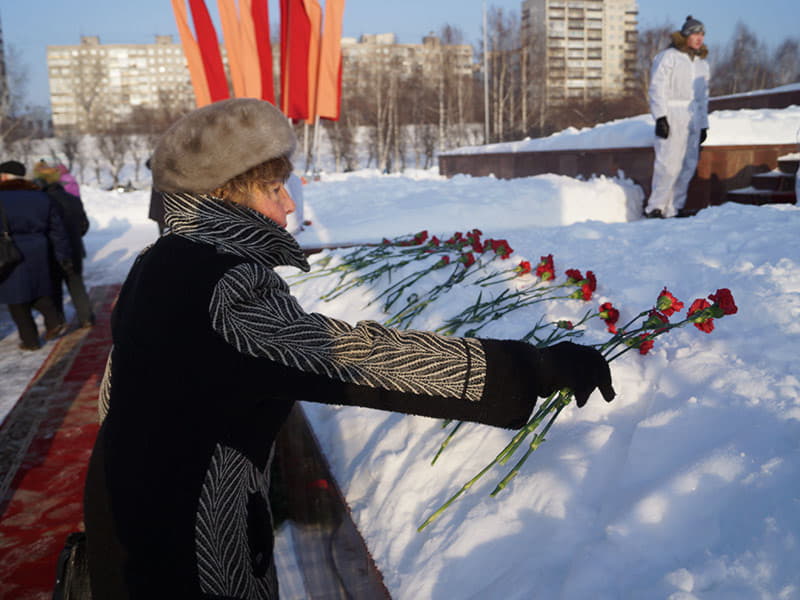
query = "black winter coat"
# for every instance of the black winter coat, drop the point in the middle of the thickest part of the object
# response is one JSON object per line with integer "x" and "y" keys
{"x": 210, "y": 352}
{"x": 37, "y": 229}
{"x": 75, "y": 220}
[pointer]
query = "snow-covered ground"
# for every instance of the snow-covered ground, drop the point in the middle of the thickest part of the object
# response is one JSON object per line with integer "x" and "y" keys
{"x": 725, "y": 128}
{"x": 686, "y": 486}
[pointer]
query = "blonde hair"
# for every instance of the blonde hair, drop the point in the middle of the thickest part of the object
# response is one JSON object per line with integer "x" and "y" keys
{"x": 239, "y": 189}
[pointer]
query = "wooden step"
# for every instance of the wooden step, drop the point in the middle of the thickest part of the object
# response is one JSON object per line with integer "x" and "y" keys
{"x": 751, "y": 195}
{"x": 788, "y": 165}
{"x": 773, "y": 180}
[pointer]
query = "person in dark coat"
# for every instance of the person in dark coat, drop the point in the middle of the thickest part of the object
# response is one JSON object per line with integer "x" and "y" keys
{"x": 77, "y": 225}
{"x": 211, "y": 350}
{"x": 37, "y": 230}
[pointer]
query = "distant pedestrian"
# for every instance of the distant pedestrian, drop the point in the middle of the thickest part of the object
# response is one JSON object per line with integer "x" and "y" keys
{"x": 76, "y": 222}
{"x": 37, "y": 230}
{"x": 679, "y": 104}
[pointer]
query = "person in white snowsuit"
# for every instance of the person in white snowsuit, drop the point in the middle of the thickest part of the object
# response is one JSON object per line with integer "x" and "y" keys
{"x": 679, "y": 104}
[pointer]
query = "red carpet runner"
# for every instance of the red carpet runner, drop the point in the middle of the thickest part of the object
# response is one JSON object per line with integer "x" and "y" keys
{"x": 45, "y": 443}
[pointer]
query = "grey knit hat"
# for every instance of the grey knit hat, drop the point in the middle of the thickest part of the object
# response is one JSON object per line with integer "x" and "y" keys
{"x": 691, "y": 26}
{"x": 215, "y": 143}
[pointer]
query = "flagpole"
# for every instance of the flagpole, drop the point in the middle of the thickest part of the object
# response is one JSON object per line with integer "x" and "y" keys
{"x": 315, "y": 147}
{"x": 305, "y": 144}
{"x": 485, "y": 81}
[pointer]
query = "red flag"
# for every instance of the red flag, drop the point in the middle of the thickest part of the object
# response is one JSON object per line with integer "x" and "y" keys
{"x": 295, "y": 35}
{"x": 329, "y": 88}
{"x": 209, "y": 50}
{"x": 261, "y": 24}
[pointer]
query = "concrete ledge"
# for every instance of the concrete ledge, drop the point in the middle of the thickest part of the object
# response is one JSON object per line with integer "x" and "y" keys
{"x": 721, "y": 168}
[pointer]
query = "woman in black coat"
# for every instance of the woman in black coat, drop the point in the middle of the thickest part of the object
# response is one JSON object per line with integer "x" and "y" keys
{"x": 211, "y": 351}
{"x": 37, "y": 230}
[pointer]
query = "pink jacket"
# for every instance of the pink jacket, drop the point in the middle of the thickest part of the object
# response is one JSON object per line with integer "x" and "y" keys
{"x": 68, "y": 181}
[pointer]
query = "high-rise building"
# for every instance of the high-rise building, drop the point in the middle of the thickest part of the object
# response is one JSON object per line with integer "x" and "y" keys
{"x": 5, "y": 97}
{"x": 93, "y": 83}
{"x": 580, "y": 49}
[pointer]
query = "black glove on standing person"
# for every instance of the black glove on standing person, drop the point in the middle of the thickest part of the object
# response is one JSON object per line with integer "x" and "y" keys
{"x": 662, "y": 127}
{"x": 67, "y": 266}
{"x": 703, "y": 134}
{"x": 579, "y": 368}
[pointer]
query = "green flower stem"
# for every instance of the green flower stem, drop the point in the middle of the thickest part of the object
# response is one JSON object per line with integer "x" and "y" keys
{"x": 545, "y": 408}
{"x": 563, "y": 400}
{"x": 520, "y": 435}
{"x": 446, "y": 442}
{"x": 455, "y": 496}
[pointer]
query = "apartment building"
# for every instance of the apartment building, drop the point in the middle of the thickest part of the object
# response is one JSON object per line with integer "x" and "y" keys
{"x": 580, "y": 49}
{"x": 424, "y": 59}
{"x": 92, "y": 83}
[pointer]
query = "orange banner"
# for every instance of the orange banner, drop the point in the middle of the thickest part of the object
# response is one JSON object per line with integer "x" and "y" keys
{"x": 251, "y": 64}
{"x": 192, "y": 52}
{"x": 329, "y": 88}
{"x": 233, "y": 44}
{"x": 314, "y": 13}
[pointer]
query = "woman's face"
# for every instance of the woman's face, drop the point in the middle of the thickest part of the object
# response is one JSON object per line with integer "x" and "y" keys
{"x": 273, "y": 201}
{"x": 695, "y": 40}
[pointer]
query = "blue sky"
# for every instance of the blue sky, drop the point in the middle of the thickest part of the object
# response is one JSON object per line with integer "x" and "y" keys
{"x": 29, "y": 26}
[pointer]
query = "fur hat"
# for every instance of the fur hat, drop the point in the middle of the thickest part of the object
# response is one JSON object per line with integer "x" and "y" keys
{"x": 692, "y": 26}
{"x": 46, "y": 173}
{"x": 215, "y": 143}
{"x": 13, "y": 167}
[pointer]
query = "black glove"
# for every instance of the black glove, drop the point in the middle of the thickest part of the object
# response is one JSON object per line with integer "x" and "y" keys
{"x": 579, "y": 368}
{"x": 67, "y": 266}
{"x": 662, "y": 127}
{"x": 703, "y": 134}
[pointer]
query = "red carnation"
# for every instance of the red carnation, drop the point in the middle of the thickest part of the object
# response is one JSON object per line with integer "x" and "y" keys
{"x": 724, "y": 299}
{"x": 523, "y": 268}
{"x": 702, "y": 321}
{"x": 655, "y": 319}
{"x": 668, "y": 304}
{"x": 610, "y": 315}
{"x": 565, "y": 325}
{"x": 435, "y": 242}
{"x": 501, "y": 248}
{"x": 644, "y": 344}
{"x": 443, "y": 262}
{"x": 545, "y": 270}
{"x": 386, "y": 242}
{"x": 574, "y": 275}
{"x": 421, "y": 236}
{"x": 592, "y": 280}
{"x": 477, "y": 246}
{"x": 586, "y": 290}
{"x": 468, "y": 259}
